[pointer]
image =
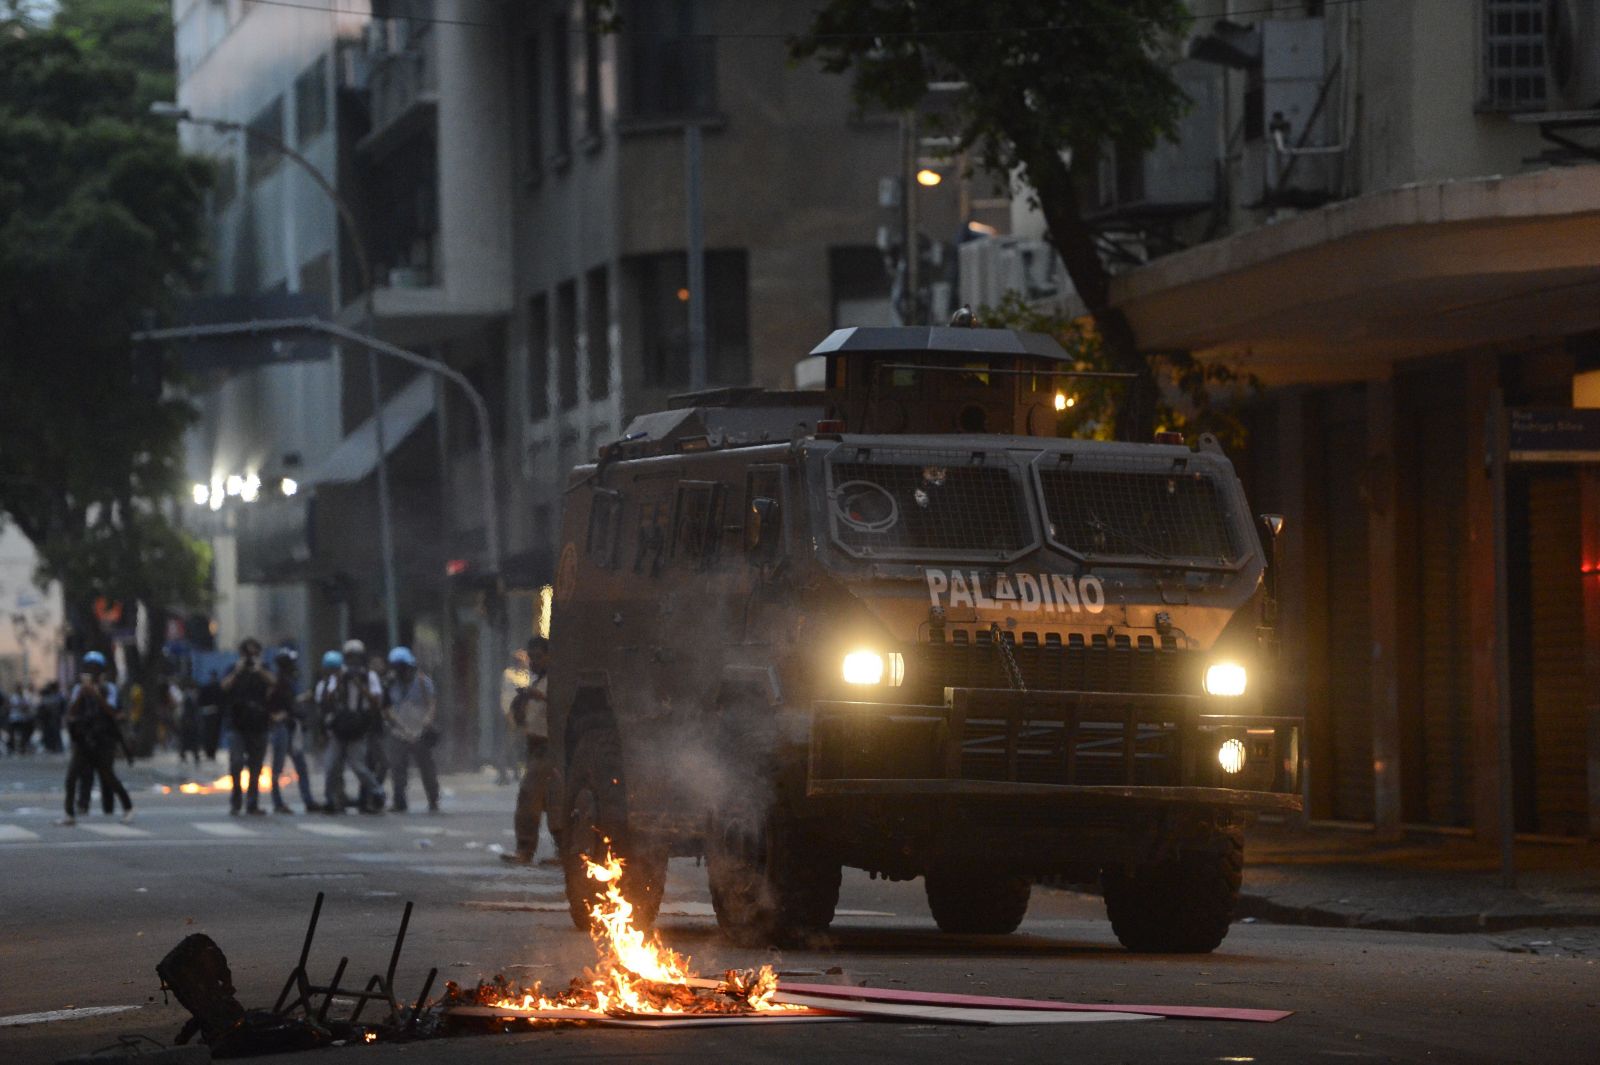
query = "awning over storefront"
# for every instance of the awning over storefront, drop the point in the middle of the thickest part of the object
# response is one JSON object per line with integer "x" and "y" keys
{"x": 1341, "y": 292}
{"x": 356, "y": 455}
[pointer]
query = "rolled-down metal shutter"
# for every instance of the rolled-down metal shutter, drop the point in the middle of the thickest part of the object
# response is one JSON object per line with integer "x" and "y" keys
{"x": 1441, "y": 618}
{"x": 1560, "y": 741}
{"x": 1349, "y": 627}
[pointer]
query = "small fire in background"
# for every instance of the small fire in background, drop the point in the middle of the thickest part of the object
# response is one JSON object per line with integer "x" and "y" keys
{"x": 224, "y": 783}
{"x": 636, "y": 973}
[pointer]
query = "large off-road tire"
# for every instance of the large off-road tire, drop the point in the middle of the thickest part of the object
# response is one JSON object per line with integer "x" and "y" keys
{"x": 768, "y": 887}
{"x": 1179, "y": 906}
{"x": 977, "y": 901}
{"x": 597, "y": 811}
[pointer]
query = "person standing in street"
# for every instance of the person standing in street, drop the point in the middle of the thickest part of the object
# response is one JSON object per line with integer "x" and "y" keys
{"x": 285, "y": 734}
{"x": 92, "y": 716}
{"x": 245, "y": 690}
{"x": 210, "y": 700}
{"x": 351, "y": 702}
{"x": 19, "y": 722}
{"x": 48, "y": 715}
{"x": 529, "y": 710}
{"x": 187, "y": 711}
{"x": 411, "y": 709}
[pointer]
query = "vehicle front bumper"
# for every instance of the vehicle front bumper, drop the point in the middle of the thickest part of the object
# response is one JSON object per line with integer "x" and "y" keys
{"x": 1089, "y": 748}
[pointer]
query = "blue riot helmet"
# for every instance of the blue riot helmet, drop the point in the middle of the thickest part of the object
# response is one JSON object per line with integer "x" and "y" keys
{"x": 333, "y": 660}
{"x": 94, "y": 659}
{"x": 402, "y": 656}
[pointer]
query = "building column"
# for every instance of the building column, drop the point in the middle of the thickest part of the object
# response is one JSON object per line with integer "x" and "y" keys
{"x": 1382, "y": 574}
{"x": 1589, "y": 516}
{"x": 1481, "y": 380}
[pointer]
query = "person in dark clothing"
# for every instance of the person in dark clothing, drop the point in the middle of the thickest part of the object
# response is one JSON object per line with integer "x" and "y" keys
{"x": 529, "y": 711}
{"x": 210, "y": 700}
{"x": 286, "y": 734}
{"x": 351, "y": 701}
{"x": 410, "y": 706}
{"x": 245, "y": 689}
{"x": 92, "y": 719}
{"x": 190, "y": 730}
{"x": 51, "y": 708}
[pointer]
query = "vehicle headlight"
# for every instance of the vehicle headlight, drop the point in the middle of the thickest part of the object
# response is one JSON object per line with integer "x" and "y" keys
{"x": 863, "y": 667}
{"x": 1231, "y": 757}
{"x": 1225, "y": 678}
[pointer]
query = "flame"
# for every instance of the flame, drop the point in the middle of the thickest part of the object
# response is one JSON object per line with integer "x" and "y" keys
{"x": 225, "y": 783}
{"x": 636, "y": 972}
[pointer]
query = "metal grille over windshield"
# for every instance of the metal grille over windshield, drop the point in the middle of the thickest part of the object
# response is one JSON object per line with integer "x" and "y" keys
{"x": 1139, "y": 514}
{"x": 887, "y": 502}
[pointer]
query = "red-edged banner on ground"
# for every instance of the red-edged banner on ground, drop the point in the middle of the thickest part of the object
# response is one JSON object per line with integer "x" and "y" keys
{"x": 813, "y": 992}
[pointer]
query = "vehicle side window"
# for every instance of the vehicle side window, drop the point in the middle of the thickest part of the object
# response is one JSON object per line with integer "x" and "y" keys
{"x": 693, "y": 527}
{"x": 760, "y": 483}
{"x": 605, "y": 522}
{"x": 652, "y": 539}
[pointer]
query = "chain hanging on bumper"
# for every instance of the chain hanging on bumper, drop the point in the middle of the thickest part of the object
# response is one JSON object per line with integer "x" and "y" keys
{"x": 1013, "y": 671}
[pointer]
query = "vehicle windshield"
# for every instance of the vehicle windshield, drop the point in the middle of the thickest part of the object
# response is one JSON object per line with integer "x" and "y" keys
{"x": 1121, "y": 507}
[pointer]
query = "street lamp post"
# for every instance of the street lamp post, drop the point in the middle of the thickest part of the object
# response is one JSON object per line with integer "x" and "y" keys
{"x": 347, "y": 218}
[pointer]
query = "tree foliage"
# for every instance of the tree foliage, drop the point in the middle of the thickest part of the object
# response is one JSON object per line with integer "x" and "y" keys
{"x": 1046, "y": 85}
{"x": 1192, "y": 397}
{"x": 100, "y": 226}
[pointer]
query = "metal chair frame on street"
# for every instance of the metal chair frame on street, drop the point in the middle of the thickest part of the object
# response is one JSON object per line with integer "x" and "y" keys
{"x": 380, "y": 986}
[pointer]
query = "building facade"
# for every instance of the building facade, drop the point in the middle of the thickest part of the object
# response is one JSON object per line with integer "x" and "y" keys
{"x": 1390, "y": 213}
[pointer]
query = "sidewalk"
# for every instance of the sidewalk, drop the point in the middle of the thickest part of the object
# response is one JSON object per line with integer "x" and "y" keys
{"x": 1343, "y": 878}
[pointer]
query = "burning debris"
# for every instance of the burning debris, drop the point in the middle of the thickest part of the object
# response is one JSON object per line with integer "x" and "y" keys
{"x": 635, "y": 975}
{"x": 636, "y": 981}
{"x": 224, "y": 784}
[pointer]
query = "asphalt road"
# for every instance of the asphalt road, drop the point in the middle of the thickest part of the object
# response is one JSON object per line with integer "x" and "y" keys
{"x": 86, "y": 912}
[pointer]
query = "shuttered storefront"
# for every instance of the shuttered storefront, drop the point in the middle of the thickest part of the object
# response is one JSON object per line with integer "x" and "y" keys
{"x": 1554, "y": 704}
{"x": 1349, "y": 634}
{"x": 1436, "y": 718}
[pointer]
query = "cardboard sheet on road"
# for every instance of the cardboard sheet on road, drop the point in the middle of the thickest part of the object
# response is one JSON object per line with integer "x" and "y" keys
{"x": 982, "y": 1015}
{"x": 836, "y": 992}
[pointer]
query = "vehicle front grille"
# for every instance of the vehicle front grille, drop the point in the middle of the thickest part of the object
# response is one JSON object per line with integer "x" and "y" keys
{"x": 964, "y": 660}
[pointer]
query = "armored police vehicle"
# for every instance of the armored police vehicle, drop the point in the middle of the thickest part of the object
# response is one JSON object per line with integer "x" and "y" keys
{"x": 897, "y": 624}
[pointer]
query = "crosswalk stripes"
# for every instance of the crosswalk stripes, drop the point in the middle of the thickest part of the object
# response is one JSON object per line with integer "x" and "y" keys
{"x": 336, "y": 831}
{"x": 225, "y": 828}
{"x": 16, "y": 834}
{"x": 117, "y": 831}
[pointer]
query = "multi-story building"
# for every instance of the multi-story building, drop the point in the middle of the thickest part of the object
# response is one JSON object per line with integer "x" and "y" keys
{"x": 518, "y": 179}
{"x": 1390, "y": 213}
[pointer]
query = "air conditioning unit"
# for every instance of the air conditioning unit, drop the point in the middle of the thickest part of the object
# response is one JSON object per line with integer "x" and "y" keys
{"x": 1572, "y": 51}
{"x": 995, "y": 266}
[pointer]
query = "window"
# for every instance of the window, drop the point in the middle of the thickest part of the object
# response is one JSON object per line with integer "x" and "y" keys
{"x": 671, "y": 63}
{"x": 694, "y": 523}
{"x": 664, "y": 317}
{"x": 561, "y": 86}
{"x": 538, "y": 356}
{"x": 860, "y": 285}
{"x": 597, "y": 331}
{"x": 762, "y": 482}
{"x": 1514, "y": 66}
{"x": 593, "y": 104}
{"x": 652, "y": 537}
{"x": 263, "y": 141}
{"x": 567, "y": 344}
{"x": 311, "y": 102}
{"x": 533, "y": 102}
{"x": 605, "y": 518}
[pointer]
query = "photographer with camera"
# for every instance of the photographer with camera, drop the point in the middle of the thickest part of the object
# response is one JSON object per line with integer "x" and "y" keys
{"x": 245, "y": 691}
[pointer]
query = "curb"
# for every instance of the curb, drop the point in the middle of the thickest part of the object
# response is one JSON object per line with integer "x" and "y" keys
{"x": 1262, "y": 908}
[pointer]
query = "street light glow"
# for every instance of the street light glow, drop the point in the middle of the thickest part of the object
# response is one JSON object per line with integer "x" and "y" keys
{"x": 234, "y": 485}
{"x": 288, "y": 486}
{"x": 928, "y": 178}
{"x": 202, "y": 494}
{"x": 250, "y": 491}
